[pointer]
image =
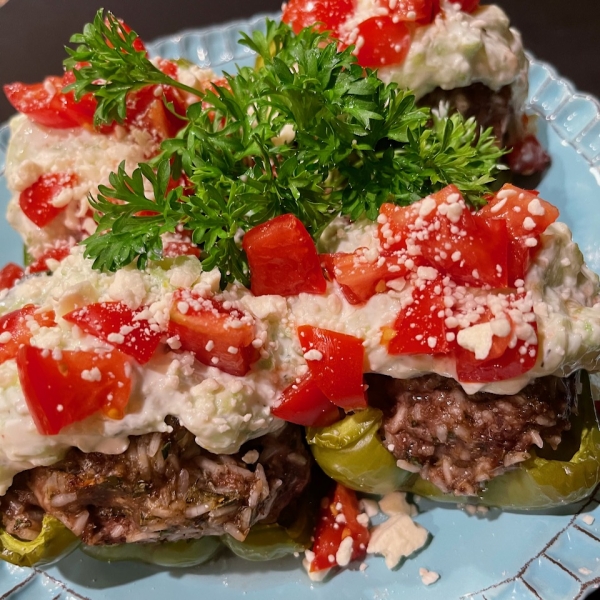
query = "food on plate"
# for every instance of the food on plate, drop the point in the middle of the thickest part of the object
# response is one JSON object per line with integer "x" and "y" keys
{"x": 459, "y": 55}
{"x": 313, "y": 250}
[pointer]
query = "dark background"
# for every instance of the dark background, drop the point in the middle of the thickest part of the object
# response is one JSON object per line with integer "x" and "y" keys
{"x": 33, "y": 32}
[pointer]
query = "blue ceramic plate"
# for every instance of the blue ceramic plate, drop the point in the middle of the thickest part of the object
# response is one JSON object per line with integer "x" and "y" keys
{"x": 551, "y": 556}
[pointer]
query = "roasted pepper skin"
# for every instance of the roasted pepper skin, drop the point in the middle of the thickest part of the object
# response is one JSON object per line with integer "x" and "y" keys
{"x": 181, "y": 554}
{"x": 265, "y": 542}
{"x": 352, "y": 453}
{"x": 273, "y": 541}
{"x": 54, "y": 542}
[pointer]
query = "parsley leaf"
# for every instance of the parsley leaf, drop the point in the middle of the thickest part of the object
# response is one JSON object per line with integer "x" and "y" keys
{"x": 310, "y": 133}
{"x": 108, "y": 63}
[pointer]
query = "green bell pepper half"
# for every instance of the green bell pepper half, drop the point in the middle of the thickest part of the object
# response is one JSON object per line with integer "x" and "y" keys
{"x": 351, "y": 452}
{"x": 265, "y": 542}
{"x": 181, "y": 554}
{"x": 273, "y": 541}
{"x": 53, "y": 543}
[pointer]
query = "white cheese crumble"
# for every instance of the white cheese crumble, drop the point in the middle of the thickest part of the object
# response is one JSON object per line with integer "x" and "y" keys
{"x": 344, "y": 552}
{"x": 92, "y": 374}
{"x": 395, "y": 503}
{"x": 588, "y": 519}
{"x": 428, "y": 577}
{"x": 397, "y": 538}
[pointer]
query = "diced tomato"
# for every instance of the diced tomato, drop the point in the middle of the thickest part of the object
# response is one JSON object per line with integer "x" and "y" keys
{"x": 58, "y": 252}
{"x": 45, "y": 104}
{"x": 146, "y": 111}
{"x": 420, "y": 11}
{"x": 330, "y": 532}
{"x": 9, "y": 275}
{"x": 37, "y": 200}
{"x": 304, "y": 13}
{"x": 336, "y": 362}
{"x": 449, "y": 237}
{"x": 303, "y": 403}
{"x": 468, "y": 6}
{"x": 218, "y": 336}
{"x": 527, "y": 216}
{"x": 138, "y": 45}
{"x": 117, "y": 324}
{"x": 64, "y": 387}
{"x": 19, "y": 324}
{"x": 283, "y": 258}
{"x": 360, "y": 278}
{"x": 420, "y": 327}
{"x": 512, "y": 362}
{"x": 81, "y": 110}
{"x": 527, "y": 156}
{"x": 385, "y": 42}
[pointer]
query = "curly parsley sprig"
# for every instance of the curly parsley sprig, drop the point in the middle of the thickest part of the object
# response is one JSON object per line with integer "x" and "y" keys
{"x": 108, "y": 63}
{"x": 352, "y": 143}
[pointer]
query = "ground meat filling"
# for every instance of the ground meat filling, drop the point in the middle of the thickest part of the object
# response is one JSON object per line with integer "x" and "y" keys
{"x": 164, "y": 487}
{"x": 495, "y": 109}
{"x": 490, "y": 108}
{"x": 458, "y": 441}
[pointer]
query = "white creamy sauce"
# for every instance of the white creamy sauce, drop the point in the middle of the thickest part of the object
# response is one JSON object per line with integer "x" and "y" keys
{"x": 35, "y": 150}
{"x": 458, "y": 49}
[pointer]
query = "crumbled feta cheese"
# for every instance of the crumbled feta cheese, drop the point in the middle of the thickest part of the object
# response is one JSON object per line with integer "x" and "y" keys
{"x": 397, "y": 538}
{"x": 250, "y": 457}
{"x": 313, "y": 355}
{"x": 92, "y": 374}
{"x": 588, "y": 519}
{"x": 395, "y": 503}
{"x": 428, "y": 577}
{"x": 344, "y": 552}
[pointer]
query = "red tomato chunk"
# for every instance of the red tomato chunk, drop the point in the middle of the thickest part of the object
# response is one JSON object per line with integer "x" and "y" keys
{"x": 336, "y": 362}
{"x": 508, "y": 357}
{"x": 303, "y": 403}
{"x": 45, "y": 104}
{"x": 442, "y": 230}
{"x": 283, "y": 259}
{"x": 9, "y": 275}
{"x": 526, "y": 216}
{"x": 337, "y": 521}
{"x": 419, "y": 328}
{"x": 16, "y": 328}
{"x": 117, "y": 324}
{"x": 37, "y": 201}
{"x": 218, "y": 336}
{"x": 303, "y": 13}
{"x": 360, "y": 278}
{"x": 64, "y": 387}
{"x": 383, "y": 42}
{"x": 528, "y": 156}
{"x": 60, "y": 251}
{"x": 421, "y": 11}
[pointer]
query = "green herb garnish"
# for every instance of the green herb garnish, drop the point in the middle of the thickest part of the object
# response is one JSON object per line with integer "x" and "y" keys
{"x": 108, "y": 64}
{"x": 357, "y": 143}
